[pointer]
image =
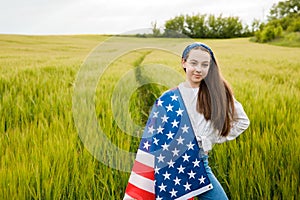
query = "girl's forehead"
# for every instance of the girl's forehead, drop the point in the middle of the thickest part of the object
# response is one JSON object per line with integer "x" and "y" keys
{"x": 199, "y": 54}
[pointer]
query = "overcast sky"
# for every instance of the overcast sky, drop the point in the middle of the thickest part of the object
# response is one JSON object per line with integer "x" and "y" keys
{"x": 115, "y": 16}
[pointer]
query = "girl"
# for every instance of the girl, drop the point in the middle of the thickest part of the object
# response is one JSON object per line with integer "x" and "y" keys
{"x": 185, "y": 122}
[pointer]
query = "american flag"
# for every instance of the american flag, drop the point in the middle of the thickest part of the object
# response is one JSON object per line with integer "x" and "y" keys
{"x": 168, "y": 164}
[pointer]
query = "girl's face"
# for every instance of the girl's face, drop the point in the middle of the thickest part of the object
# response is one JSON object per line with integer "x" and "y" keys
{"x": 197, "y": 66}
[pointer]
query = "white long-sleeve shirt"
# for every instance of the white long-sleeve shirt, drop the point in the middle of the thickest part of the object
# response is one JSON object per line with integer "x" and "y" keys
{"x": 206, "y": 134}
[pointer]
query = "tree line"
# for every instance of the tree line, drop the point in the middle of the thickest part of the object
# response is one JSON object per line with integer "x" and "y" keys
{"x": 201, "y": 26}
{"x": 283, "y": 17}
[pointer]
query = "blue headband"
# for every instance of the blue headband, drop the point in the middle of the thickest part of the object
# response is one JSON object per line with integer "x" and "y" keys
{"x": 194, "y": 45}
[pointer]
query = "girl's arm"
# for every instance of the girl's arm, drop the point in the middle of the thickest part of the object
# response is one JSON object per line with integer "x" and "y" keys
{"x": 239, "y": 125}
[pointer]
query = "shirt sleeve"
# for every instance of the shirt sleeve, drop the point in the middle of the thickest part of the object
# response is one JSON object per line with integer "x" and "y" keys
{"x": 240, "y": 123}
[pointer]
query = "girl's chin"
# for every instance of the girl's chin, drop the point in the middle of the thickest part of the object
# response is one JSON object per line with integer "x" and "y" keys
{"x": 195, "y": 83}
{"x": 197, "y": 80}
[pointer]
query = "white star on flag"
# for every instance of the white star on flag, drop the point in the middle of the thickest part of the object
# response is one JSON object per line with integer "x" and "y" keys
{"x": 169, "y": 108}
{"x": 196, "y": 163}
{"x": 174, "y": 97}
{"x": 191, "y": 174}
{"x": 155, "y": 141}
{"x": 155, "y": 114}
{"x": 159, "y": 102}
{"x": 202, "y": 179}
{"x": 162, "y": 187}
{"x": 190, "y": 146}
{"x": 166, "y": 175}
{"x": 187, "y": 186}
{"x": 165, "y": 147}
{"x": 177, "y": 181}
{"x": 185, "y": 129}
{"x": 179, "y": 112}
{"x": 180, "y": 140}
{"x": 164, "y": 119}
{"x": 158, "y": 198}
{"x": 156, "y": 170}
{"x": 173, "y": 193}
{"x": 186, "y": 157}
{"x": 175, "y": 152}
{"x": 171, "y": 164}
{"x": 151, "y": 129}
{"x": 160, "y": 130}
{"x": 174, "y": 123}
{"x": 180, "y": 169}
{"x": 160, "y": 158}
{"x": 146, "y": 145}
{"x": 170, "y": 135}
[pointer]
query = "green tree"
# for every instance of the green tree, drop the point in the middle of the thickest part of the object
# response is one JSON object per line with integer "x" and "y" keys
{"x": 294, "y": 25}
{"x": 232, "y": 27}
{"x": 155, "y": 30}
{"x": 289, "y": 8}
{"x": 256, "y": 25}
{"x": 213, "y": 26}
{"x": 196, "y": 26}
{"x": 175, "y": 27}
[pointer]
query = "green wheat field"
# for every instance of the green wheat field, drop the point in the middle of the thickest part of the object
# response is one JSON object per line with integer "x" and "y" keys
{"x": 43, "y": 157}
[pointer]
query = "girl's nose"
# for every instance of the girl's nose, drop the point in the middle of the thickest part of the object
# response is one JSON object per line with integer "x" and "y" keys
{"x": 198, "y": 69}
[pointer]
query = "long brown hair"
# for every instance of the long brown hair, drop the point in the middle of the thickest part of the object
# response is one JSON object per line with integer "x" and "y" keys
{"x": 215, "y": 97}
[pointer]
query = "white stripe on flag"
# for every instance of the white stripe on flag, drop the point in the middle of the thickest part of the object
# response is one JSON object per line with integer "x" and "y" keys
{"x": 196, "y": 192}
{"x": 141, "y": 182}
{"x": 145, "y": 158}
{"x": 127, "y": 197}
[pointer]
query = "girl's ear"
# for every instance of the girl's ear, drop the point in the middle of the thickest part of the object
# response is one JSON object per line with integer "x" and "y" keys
{"x": 182, "y": 62}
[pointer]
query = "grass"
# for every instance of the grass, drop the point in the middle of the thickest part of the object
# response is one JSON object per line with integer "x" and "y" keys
{"x": 43, "y": 157}
{"x": 291, "y": 39}
{"x": 288, "y": 39}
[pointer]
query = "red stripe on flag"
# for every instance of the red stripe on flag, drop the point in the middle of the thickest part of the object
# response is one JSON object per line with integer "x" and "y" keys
{"x": 138, "y": 193}
{"x": 143, "y": 170}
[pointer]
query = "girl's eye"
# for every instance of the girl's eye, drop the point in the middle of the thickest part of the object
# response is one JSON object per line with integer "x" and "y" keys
{"x": 194, "y": 63}
{"x": 205, "y": 65}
